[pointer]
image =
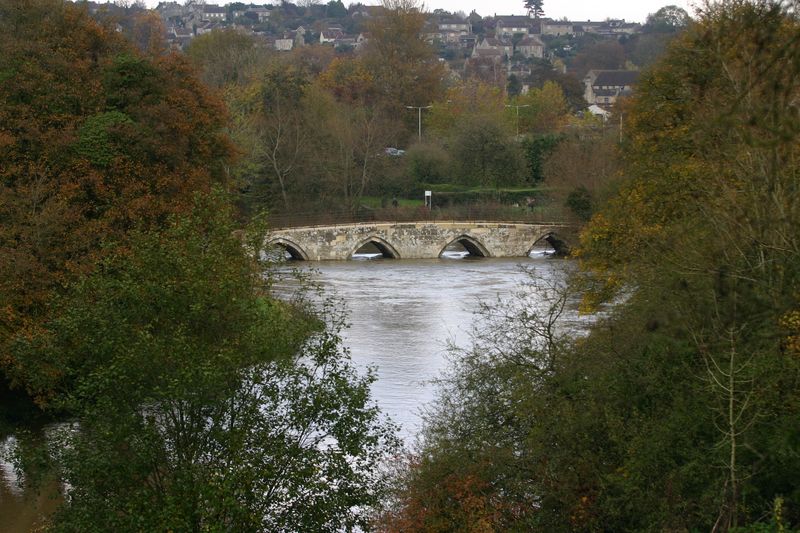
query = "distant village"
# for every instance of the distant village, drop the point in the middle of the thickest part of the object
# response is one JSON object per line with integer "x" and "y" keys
{"x": 508, "y": 47}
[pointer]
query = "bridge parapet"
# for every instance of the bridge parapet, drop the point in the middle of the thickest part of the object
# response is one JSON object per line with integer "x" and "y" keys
{"x": 411, "y": 240}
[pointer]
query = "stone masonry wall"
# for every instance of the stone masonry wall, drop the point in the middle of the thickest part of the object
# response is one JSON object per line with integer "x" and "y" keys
{"x": 412, "y": 240}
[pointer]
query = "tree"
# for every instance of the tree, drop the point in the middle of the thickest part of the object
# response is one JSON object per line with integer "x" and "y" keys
{"x": 225, "y": 57}
{"x": 677, "y": 409}
{"x": 535, "y": 8}
{"x": 587, "y": 145}
{"x": 668, "y": 19}
{"x": 715, "y": 109}
{"x": 336, "y": 9}
{"x": 537, "y": 150}
{"x": 96, "y": 139}
{"x": 429, "y": 163}
{"x": 603, "y": 55}
{"x": 514, "y": 86}
{"x": 545, "y": 109}
{"x": 272, "y": 107}
{"x": 349, "y": 141}
{"x": 404, "y": 66}
{"x": 471, "y": 98}
{"x": 473, "y": 471}
{"x": 202, "y": 402}
{"x": 485, "y": 153}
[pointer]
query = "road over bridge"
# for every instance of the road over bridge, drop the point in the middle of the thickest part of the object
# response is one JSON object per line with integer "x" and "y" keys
{"x": 416, "y": 240}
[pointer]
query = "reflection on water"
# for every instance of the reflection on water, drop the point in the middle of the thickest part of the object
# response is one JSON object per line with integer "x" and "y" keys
{"x": 403, "y": 313}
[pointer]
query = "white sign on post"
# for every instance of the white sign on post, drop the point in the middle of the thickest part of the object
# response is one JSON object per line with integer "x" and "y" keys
{"x": 428, "y": 198}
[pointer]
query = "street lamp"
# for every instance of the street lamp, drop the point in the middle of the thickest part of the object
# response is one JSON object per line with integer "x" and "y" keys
{"x": 517, "y": 106}
{"x": 419, "y": 114}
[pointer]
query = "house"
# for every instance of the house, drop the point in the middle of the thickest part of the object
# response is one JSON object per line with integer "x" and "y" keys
{"x": 530, "y": 46}
{"x": 598, "y": 111}
{"x": 611, "y": 27}
{"x": 212, "y": 13}
{"x": 507, "y": 26}
{"x": 207, "y": 27}
{"x": 178, "y": 38}
{"x": 285, "y": 43}
{"x": 260, "y": 13}
{"x": 170, "y": 10}
{"x": 331, "y": 35}
{"x": 347, "y": 42}
{"x": 299, "y": 36}
{"x": 448, "y": 30}
{"x": 360, "y": 10}
{"x": 291, "y": 39}
{"x": 487, "y": 53}
{"x": 493, "y": 47}
{"x": 604, "y": 87}
{"x": 454, "y": 25}
{"x": 467, "y": 42}
{"x": 556, "y": 27}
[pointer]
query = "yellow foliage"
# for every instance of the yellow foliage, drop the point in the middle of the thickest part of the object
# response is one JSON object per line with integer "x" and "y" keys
{"x": 791, "y": 323}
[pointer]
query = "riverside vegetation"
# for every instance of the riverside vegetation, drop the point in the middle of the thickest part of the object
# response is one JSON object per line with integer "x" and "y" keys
{"x": 679, "y": 410}
{"x": 195, "y": 400}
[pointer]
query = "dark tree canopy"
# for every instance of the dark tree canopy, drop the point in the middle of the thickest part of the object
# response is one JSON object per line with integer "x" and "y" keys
{"x": 668, "y": 19}
{"x": 535, "y": 7}
{"x": 96, "y": 138}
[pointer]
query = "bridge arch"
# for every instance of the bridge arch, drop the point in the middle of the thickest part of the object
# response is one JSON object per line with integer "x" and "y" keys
{"x": 471, "y": 244}
{"x": 387, "y": 250}
{"x": 560, "y": 247}
{"x": 292, "y": 248}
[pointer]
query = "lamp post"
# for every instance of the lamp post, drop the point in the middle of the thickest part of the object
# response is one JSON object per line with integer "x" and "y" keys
{"x": 517, "y": 107}
{"x": 419, "y": 115}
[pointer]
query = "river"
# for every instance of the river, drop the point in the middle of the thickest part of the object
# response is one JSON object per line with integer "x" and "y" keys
{"x": 401, "y": 316}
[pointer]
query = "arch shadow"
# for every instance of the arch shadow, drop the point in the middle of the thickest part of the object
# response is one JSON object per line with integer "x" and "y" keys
{"x": 471, "y": 244}
{"x": 560, "y": 246}
{"x": 294, "y": 250}
{"x": 387, "y": 250}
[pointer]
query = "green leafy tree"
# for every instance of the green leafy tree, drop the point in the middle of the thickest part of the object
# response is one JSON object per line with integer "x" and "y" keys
{"x": 537, "y": 150}
{"x": 201, "y": 402}
{"x": 668, "y": 19}
{"x": 485, "y": 152}
{"x": 428, "y": 163}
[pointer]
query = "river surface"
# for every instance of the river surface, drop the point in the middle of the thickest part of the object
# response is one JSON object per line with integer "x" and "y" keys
{"x": 401, "y": 315}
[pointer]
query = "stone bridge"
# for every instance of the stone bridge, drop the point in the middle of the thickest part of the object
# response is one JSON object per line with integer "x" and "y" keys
{"x": 416, "y": 240}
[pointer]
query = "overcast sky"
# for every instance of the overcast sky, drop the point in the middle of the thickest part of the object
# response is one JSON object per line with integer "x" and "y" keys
{"x": 630, "y": 10}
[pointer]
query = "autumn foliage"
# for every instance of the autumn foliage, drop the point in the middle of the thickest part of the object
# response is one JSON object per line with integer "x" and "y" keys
{"x": 96, "y": 139}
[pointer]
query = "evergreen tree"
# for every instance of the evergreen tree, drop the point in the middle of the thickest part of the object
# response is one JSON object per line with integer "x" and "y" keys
{"x": 535, "y": 7}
